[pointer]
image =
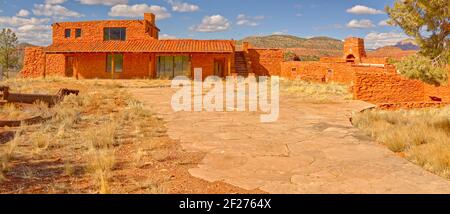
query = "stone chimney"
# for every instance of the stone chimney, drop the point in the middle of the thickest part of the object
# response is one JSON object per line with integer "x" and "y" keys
{"x": 150, "y": 17}
{"x": 354, "y": 49}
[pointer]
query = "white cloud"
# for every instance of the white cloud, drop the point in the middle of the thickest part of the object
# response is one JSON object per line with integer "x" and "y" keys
{"x": 103, "y": 2}
{"x": 167, "y": 36}
{"x": 34, "y": 33}
{"x": 54, "y": 11}
{"x": 364, "y": 23}
{"x": 32, "y": 30}
{"x": 360, "y": 9}
{"x": 376, "y": 40}
{"x": 384, "y": 23}
{"x": 179, "y": 6}
{"x": 243, "y": 20}
{"x": 138, "y": 10}
{"x": 54, "y": 1}
{"x": 23, "y": 13}
{"x": 18, "y": 21}
{"x": 215, "y": 23}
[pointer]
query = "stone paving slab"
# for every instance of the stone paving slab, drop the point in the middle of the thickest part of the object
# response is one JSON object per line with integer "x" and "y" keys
{"x": 312, "y": 148}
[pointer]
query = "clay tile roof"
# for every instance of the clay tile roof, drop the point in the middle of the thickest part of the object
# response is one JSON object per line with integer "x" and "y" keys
{"x": 144, "y": 46}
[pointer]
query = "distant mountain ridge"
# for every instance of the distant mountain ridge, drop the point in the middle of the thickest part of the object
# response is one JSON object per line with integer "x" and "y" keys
{"x": 407, "y": 45}
{"x": 314, "y": 47}
{"x": 289, "y": 41}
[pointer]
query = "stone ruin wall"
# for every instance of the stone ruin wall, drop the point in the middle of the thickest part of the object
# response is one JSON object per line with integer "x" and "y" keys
{"x": 266, "y": 62}
{"x": 371, "y": 83}
{"x": 36, "y": 64}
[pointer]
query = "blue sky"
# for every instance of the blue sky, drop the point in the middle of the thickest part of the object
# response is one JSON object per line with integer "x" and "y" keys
{"x": 212, "y": 19}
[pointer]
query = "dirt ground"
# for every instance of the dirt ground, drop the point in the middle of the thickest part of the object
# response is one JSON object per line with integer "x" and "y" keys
{"x": 56, "y": 157}
{"x": 311, "y": 148}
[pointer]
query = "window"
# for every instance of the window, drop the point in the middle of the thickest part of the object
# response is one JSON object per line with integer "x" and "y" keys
{"x": 77, "y": 33}
{"x": 114, "y": 34}
{"x": 171, "y": 66}
{"x": 67, "y": 33}
{"x": 118, "y": 62}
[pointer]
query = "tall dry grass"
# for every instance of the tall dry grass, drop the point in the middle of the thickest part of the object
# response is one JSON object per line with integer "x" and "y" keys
{"x": 87, "y": 134}
{"x": 423, "y": 136}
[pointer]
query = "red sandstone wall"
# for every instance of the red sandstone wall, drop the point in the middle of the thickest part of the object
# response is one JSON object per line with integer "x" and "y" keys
{"x": 309, "y": 71}
{"x": 442, "y": 92}
{"x": 327, "y": 72}
{"x": 93, "y": 30}
{"x": 33, "y": 63}
{"x": 266, "y": 62}
{"x": 387, "y": 88}
{"x": 411, "y": 105}
{"x": 206, "y": 62}
{"x": 138, "y": 65}
{"x": 374, "y": 60}
{"x": 56, "y": 65}
{"x": 90, "y": 66}
{"x": 332, "y": 59}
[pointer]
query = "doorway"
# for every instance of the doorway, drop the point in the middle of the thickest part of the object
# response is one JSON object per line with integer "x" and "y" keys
{"x": 69, "y": 66}
{"x": 350, "y": 58}
{"x": 219, "y": 67}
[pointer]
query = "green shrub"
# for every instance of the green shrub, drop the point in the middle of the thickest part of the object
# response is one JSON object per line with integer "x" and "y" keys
{"x": 419, "y": 67}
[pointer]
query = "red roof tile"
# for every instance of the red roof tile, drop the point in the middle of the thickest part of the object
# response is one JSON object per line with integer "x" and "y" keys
{"x": 144, "y": 46}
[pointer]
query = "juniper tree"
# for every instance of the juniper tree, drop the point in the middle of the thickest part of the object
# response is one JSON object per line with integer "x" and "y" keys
{"x": 428, "y": 22}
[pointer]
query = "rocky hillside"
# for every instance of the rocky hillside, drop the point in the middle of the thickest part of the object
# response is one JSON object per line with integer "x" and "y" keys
{"x": 312, "y": 47}
{"x": 391, "y": 52}
{"x": 288, "y": 41}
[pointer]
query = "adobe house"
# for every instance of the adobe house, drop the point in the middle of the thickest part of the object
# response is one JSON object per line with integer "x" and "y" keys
{"x": 129, "y": 49}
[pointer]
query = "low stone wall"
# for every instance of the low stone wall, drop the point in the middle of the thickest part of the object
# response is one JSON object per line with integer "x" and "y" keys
{"x": 36, "y": 64}
{"x": 33, "y": 62}
{"x": 266, "y": 62}
{"x": 411, "y": 105}
{"x": 327, "y": 72}
{"x": 442, "y": 93}
{"x": 387, "y": 88}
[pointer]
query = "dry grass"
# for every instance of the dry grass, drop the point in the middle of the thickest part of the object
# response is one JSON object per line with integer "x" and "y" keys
{"x": 316, "y": 92}
{"x": 86, "y": 131}
{"x": 102, "y": 141}
{"x": 422, "y": 136}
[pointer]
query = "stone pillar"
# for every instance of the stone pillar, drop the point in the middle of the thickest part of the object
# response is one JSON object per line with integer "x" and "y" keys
{"x": 245, "y": 46}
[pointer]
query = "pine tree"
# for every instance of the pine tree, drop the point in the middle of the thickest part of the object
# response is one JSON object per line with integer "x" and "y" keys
{"x": 8, "y": 56}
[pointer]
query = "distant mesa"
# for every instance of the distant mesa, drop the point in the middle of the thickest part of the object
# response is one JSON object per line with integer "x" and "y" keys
{"x": 407, "y": 45}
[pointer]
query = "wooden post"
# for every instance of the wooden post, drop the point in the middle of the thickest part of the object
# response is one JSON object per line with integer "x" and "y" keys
{"x": 151, "y": 66}
{"x": 45, "y": 64}
{"x": 75, "y": 66}
{"x": 113, "y": 66}
{"x": 229, "y": 65}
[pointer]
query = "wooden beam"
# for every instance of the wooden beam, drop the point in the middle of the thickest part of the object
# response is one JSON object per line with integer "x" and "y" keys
{"x": 75, "y": 66}
{"x": 229, "y": 66}
{"x": 113, "y": 66}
